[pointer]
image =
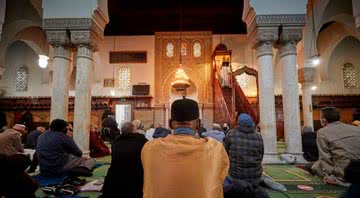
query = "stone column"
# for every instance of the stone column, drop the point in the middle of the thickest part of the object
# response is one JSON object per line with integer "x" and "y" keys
{"x": 306, "y": 78}
{"x": 267, "y": 100}
{"x": 356, "y": 14}
{"x": 60, "y": 84}
{"x": 290, "y": 98}
{"x": 2, "y": 71}
{"x": 307, "y": 105}
{"x": 82, "y": 111}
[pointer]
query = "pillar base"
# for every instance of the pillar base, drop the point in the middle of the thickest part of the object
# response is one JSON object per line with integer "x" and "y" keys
{"x": 86, "y": 153}
{"x": 271, "y": 158}
{"x": 299, "y": 158}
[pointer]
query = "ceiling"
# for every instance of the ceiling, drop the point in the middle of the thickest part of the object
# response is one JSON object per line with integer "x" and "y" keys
{"x": 144, "y": 17}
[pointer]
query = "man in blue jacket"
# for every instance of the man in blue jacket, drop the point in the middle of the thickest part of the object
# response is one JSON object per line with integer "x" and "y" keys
{"x": 58, "y": 154}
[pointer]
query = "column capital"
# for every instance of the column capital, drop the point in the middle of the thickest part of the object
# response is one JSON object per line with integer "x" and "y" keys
{"x": 57, "y": 38}
{"x": 306, "y": 74}
{"x": 85, "y": 51}
{"x": 264, "y": 48}
{"x": 74, "y": 31}
{"x": 261, "y": 36}
{"x": 61, "y": 51}
{"x": 85, "y": 38}
{"x": 287, "y": 48}
{"x": 290, "y": 34}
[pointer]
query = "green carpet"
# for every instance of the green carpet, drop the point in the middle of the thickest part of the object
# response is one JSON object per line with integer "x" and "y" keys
{"x": 288, "y": 175}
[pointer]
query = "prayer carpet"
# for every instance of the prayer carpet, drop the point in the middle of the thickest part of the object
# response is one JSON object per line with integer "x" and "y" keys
{"x": 288, "y": 175}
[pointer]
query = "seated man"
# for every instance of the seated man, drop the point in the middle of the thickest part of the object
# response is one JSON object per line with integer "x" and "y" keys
{"x": 309, "y": 146}
{"x": 58, "y": 154}
{"x": 31, "y": 142}
{"x": 338, "y": 143}
{"x": 216, "y": 133}
{"x": 182, "y": 165}
{"x": 245, "y": 147}
{"x": 126, "y": 174}
{"x": 10, "y": 140}
{"x": 31, "y": 139}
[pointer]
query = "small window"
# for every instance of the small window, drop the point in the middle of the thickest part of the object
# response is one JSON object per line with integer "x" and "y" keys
{"x": 170, "y": 49}
{"x": 349, "y": 74}
{"x": 197, "y": 49}
{"x": 184, "y": 49}
{"x": 124, "y": 78}
{"x": 22, "y": 78}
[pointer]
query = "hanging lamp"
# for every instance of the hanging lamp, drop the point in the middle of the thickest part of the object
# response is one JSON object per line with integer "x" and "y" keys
{"x": 181, "y": 81}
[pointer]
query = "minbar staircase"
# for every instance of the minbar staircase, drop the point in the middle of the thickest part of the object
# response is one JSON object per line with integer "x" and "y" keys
{"x": 230, "y": 102}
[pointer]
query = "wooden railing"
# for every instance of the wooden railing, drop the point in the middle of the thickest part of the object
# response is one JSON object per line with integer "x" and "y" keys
{"x": 221, "y": 108}
{"x": 244, "y": 103}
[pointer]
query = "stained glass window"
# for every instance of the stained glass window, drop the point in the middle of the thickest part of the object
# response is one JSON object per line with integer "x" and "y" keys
{"x": 22, "y": 78}
{"x": 124, "y": 78}
{"x": 349, "y": 74}
{"x": 197, "y": 49}
{"x": 184, "y": 49}
{"x": 170, "y": 49}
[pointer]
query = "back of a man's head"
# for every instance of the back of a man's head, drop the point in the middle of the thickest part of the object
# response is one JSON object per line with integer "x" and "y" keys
{"x": 59, "y": 125}
{"x": 127, "y": 128}
{"x": 185, "y": 113}
{"x": 330, "y": 114}
{"x": 217, "y": 127}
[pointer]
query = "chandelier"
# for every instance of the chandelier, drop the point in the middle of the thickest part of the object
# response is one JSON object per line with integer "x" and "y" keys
{"x": 181, "y": 81}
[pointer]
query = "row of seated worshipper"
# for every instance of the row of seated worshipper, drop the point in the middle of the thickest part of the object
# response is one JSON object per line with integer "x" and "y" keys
{"x": 56, "y": 153}
{"x": 56, "y": 150}
{"x": 182, "y": 164}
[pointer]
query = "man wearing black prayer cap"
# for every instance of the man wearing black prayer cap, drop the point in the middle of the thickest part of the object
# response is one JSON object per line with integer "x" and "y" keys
{"x": 182, "y": 164}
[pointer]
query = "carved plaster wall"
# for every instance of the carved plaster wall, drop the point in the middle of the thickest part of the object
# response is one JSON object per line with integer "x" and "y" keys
{"x": 198, "y": 69}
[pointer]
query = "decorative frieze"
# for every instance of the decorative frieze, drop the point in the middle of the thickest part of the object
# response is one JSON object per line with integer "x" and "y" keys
{"x": 73, "y": 31}
{"x": 274, "y": 28}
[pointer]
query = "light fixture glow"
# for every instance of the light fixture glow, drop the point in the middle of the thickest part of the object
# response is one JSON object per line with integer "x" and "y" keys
{"x": 316, "y": 61}
{"x": 43, "y": 61}
{"x": 112, "y": 92}
{"x": 181, "y": 80}
{"x": 314, "y": 88}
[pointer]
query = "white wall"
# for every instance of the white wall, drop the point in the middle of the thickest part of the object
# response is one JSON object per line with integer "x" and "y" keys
{"x": 140, "y": 72}
{"x": 346, "y": 52}
{"x": 21, "y": 54}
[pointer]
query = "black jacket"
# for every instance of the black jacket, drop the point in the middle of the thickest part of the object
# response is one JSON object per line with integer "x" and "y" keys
{"x": 125, "y": 175}
{"x": 14, "y": 181}
{"x": 309, "y": 146}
